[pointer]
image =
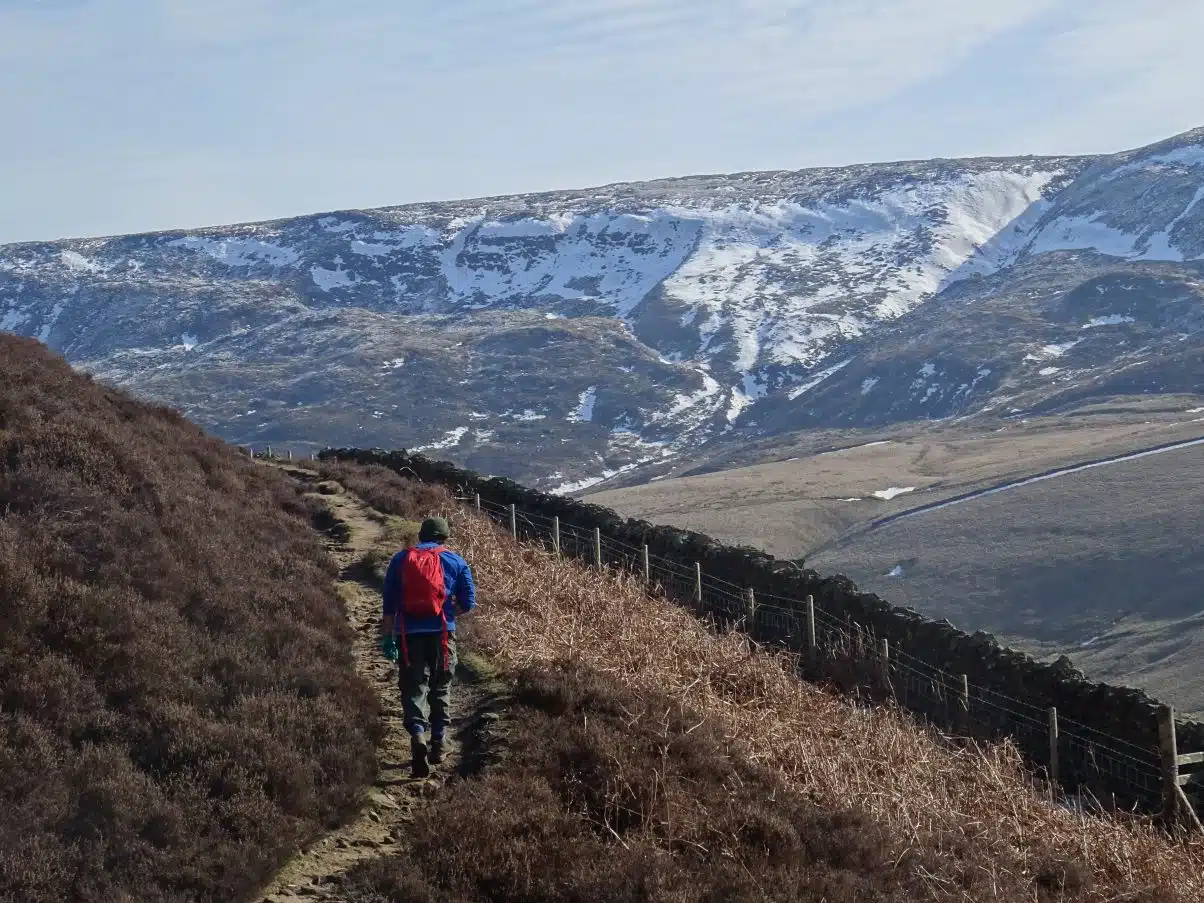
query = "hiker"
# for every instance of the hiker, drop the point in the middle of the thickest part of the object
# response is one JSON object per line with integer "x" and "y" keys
{"x": 425, "y": 587}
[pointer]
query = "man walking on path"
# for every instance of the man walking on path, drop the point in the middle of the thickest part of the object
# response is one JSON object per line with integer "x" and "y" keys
{"x": 425, "y": 588}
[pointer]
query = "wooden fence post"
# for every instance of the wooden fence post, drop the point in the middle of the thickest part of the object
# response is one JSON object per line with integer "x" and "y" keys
{"x": 751, "y": 611}
{"x": 290, "y": 454}
{"x": 1054, "y": 776}
{"x": 812, "y": 646}
{"x": 964, "y": 692}
{"x": 555, "y": 534}
{"x": 698, "y": 582}
{"x": 1174, "y": 800}
{"x": 598, "y": 548}
{"x": 647, "y": 566}
{"x": 1169, "y": 747}
{"x": 268, "y": 453}
{"x": 885, "y": 664}
{"x": 513, "y": 521}
{"x": 477, "y": 500}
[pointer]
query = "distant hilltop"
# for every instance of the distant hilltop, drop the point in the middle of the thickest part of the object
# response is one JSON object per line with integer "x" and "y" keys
{"x": 573, "y": 337}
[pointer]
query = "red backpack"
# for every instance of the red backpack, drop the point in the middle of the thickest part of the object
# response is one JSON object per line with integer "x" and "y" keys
{"x": 423, "y": 592}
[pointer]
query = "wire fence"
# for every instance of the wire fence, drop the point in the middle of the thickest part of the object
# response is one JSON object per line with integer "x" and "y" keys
{"x": 1092, "y": 768}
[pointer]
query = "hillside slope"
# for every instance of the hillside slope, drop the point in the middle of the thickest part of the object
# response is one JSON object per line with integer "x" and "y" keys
{"x": 647, "y": 757}
{"x": 177, "y": 705}
{"x": 1101, "y": 565}
{"x": 566, "y": 337}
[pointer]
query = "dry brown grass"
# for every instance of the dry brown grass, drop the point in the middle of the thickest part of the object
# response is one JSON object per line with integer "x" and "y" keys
{"x": 962, "y": 824}
{"x": 610, "y": 796}
{"x": 972, "y": 816}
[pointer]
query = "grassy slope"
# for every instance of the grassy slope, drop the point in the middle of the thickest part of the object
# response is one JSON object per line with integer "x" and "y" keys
{"x": 1112, "y": 552}
{"x": 1114, "y": 555}
{"x": 177, "y": 707}
{"x": 796, "y": 504}
{"x": 655, "y": 760}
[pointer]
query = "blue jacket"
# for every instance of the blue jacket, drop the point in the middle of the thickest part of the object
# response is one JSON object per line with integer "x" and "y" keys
{"x": 461, "y": 594}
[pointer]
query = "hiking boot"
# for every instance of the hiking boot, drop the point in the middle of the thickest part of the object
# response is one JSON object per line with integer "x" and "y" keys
{"x": 418, "y": 766}
{"x": 435, "y": 755}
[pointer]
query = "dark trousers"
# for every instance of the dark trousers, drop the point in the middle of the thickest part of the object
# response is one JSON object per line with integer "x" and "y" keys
{"x": 425, "y": 680}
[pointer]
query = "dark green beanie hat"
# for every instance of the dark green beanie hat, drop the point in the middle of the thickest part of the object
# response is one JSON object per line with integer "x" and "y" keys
{"x": 434, "y": 528}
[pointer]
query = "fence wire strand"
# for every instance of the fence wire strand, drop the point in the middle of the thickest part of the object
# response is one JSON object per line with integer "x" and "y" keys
{"x": 931, "y": 692}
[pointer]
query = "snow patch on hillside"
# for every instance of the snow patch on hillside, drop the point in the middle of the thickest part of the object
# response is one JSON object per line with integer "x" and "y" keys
{"x": 1188, "y": 155}
{"x": 13, "y": 319}
{"x": 238, "y": 251}
{"x": 1048, "y": 352}
{"x": 1110, "y": 320}
{"x": 814, "y": 381}
{"x": 558, "y": 256}
{"x": 1090, "y": 233}
{"x": 450, "y": 440}
{"x": 747, "y": 393}
{"x": 989, "y": 218}
{"x": 1159, "y": 246}
{"x": 326, "y": 279}
{"x": 1084, "y": 233}
{"x": 572, "y": 486}
{"x": 370, "y": 249}
{"x": 893, "y": 492}
{"x": 336, "y": 225}
{"x": 770, "y": 273}
{"x": 55, "y": 313}
{"x": 584, "y": 412}
{"x": 78, "y": 263}
{"x": 693, "y": 402}
{"x": 407, "y": 238}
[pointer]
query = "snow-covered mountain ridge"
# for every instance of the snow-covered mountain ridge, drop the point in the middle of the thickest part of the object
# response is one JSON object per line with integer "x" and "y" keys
{"x": 694, "y": 307}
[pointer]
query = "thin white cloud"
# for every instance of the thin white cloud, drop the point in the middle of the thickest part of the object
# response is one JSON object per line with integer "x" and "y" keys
{"x": 1134, "y": 68}
{"x": 153, "y": 113}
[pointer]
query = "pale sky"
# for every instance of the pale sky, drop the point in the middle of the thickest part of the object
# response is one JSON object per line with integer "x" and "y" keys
{"x": 134, "y": 115}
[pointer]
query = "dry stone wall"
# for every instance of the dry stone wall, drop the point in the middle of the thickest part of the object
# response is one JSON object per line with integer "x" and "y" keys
{"x": 1106, "y": 723}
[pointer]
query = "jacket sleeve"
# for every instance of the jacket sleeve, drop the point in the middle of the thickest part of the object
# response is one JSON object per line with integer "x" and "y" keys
{"x": 466, "y": 590}
{"x": 392, "y": 588}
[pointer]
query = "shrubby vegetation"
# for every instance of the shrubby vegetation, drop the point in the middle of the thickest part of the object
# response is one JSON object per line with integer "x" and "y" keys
{"x": 651, "y": 758}
{"x": 178, "y": 708}
{"x": 608, "y": 796}
{"x": 385, "y": 490}
{"x": 178, "y": 711}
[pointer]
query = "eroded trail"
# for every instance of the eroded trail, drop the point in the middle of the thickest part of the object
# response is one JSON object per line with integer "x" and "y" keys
{"x": 316, "y": 872}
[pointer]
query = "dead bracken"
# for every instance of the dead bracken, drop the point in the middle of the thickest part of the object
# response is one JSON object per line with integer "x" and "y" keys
{"x": 960, "y": 823}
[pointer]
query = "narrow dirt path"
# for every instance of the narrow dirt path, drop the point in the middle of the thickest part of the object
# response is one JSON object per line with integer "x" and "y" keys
{"x": 388, "y": 805}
